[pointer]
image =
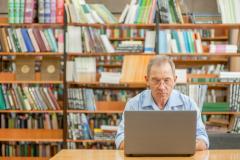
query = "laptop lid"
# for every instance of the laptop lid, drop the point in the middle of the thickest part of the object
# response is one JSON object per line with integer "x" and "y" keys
{"x": 160, "y": 132}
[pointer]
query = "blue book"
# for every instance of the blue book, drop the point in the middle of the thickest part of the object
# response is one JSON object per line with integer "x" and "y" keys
{"x": 187, "y": 45}
{"x": 163, "y": 42}
{"x": 52, "y": 39}
{"x": 175, "y": 36}
{"x": 27, "y": 40}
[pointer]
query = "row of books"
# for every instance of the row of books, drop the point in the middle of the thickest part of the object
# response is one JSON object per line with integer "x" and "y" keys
{"x": 234, "y": 97}
{"x": 114, "y": 95}
{"x": 82, "y": 69}
{"x": 124, "y": 32}
{"x": 32, "y": 121}
{"x": 82, "y": 126}
{"x": 86, "y": 145}
{"x": 236, "y": 125}
{"x": 31, "y": 40}
{"x": 78, "y": 126}
{"x": 29, "y": 149}
{"x": 145, "y": 11}
{"x": 229, "y": 10}
{"x": 78, "y": 11}
{"x": 27, "y": 98}
{"x": 36, "y": 11}
{"x": 88, "y": 40}
{"x": 217, "y": 123}
{"x": 103, "y": 121}
{"x": 174, "y": 41}
{"x": 81, "y": 98}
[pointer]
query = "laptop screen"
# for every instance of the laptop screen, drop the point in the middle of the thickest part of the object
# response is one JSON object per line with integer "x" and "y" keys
{"x": 160, "y": 132}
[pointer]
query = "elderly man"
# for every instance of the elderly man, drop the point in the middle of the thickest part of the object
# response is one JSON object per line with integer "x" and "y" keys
{"x": 161, "y": 96}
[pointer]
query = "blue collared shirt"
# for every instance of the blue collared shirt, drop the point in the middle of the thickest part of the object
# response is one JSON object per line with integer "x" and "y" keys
{"x": 177, "y": 101}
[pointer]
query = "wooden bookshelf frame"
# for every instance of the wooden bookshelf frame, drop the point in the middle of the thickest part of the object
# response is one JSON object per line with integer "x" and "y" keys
{"x": 161, "y": 26}
{"x": 31, "y": 135}
{"x": 31, "y": 54}
{"x": 205, "y": 54}
{"x": 31, "y": 111}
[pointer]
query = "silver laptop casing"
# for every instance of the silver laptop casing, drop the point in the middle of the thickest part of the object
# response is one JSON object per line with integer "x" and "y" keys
{"x": 166, "y": 133}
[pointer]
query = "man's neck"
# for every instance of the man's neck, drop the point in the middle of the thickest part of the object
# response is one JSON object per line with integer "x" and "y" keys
{"x": 160, "y": 102}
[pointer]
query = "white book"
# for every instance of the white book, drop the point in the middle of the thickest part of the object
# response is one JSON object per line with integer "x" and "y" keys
{"x": 149, "y": 44}
{"x": 109, "y": 128}
{"x": 174, "y": 47}
{"x": 11, "y": 39}
{"x": 74, "y": 39}
{"x": 110, "y": 77}
{"x": 21, "y": 41}
{"x": 124, "y": 14}
{"x": 96, "y": 17}
{"x": 108, "y": 46}
{"x": 70, "y": 71}
{"x": 181, "y": 75}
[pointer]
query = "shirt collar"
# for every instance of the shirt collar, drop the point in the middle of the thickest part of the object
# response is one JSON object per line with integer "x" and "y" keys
{"x": 174, "y": 100}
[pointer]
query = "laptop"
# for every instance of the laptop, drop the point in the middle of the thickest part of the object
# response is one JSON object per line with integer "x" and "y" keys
{"x": 160, "y": 133}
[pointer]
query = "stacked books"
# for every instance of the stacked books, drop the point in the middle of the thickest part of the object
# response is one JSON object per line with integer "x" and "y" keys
{"x": 78, "y": 11}
{"x": 130, "y": 46}
{"x": 36, "y": 11}
{"x": 144, "y": 12}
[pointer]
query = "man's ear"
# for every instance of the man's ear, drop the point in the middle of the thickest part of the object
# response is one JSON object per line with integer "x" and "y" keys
{"x": 175, "y": 79}
{"x": 147, "y": 80}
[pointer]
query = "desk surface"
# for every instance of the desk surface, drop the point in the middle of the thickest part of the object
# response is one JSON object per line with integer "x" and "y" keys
{"x": 119, "y": 155}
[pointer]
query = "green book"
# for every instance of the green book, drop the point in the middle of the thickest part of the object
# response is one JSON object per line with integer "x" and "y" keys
{"x": 2, "y": 100}
{"x": 17, "y": 11}
{"x": 21, "y": 11}
{"x": 11, "y": 16}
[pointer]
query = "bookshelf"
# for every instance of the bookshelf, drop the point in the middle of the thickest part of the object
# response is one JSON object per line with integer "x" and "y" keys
{"x": 107, "y": 62}
{"x": 34, "y": 132}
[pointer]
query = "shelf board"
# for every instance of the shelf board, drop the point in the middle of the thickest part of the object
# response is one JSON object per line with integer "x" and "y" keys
{"x": 93, "y": 112}
{"x": 151, "y": 54}
{"x": 132, "y": 85}
{"x": 31, "y": 53}
{"x": 108, "y": 86}
{"x": 33, "y": 135}
{"x": 214, "y": 83}
{"x": 25, "y": 158}
{"x": 220, "y": 38}
{"x": 33, "y": 25}
{"x": 90, "y": 140}
{"x": 220, "y": 113}
{"x": 127, "y": 39}
{"x": 162, "y": 26}
{"x": 30, "y": 82}
{"x": 32, "y": 111}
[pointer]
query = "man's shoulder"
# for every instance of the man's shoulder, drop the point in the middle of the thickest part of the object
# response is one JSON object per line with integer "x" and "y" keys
{"x": 177, "y": 94}
{"x": 140, "y": 96}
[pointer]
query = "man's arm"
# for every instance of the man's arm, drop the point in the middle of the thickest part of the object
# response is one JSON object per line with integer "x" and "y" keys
{"x": 119, "y": 139}
{"x": 202, "y": 141}
{"x": 200, "y": 145}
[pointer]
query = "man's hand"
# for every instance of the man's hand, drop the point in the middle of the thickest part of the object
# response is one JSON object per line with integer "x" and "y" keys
{"x": 200, "y": 145}
{"x": 121, "y": 145}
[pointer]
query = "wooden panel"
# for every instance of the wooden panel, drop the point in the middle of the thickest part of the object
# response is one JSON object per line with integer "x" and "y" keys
{"x": 42, "y": 135}
{"x": 110, "y": 106}
{"x": 9, "y": 77}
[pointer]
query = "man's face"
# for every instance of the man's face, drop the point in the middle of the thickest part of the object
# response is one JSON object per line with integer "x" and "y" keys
{"x": 161, "y": 81}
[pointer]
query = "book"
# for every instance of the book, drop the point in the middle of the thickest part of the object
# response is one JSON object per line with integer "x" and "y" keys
{"x": 50, "y": 68}
{"x": 25, "y": 68}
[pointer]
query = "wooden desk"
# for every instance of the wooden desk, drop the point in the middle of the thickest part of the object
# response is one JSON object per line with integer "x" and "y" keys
{"x": 119, "y": 155}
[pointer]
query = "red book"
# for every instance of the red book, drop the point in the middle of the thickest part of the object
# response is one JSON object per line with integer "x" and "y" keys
{"x": 39, "y": 40}
{"x": 60, "y": 11}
